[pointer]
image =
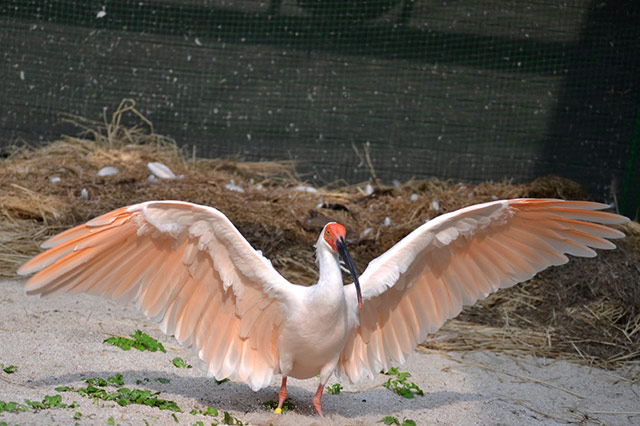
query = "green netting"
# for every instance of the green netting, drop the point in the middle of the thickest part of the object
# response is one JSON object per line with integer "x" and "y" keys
{"x": 468, "y": 90}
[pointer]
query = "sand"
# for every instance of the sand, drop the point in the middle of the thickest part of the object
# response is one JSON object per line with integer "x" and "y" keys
{"x": 58, "y": 341}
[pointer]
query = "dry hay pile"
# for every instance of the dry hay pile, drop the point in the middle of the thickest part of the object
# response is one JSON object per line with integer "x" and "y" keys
{"x": 587, "y": 310}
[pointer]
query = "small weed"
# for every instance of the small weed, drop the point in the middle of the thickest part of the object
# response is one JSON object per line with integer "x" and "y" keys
{"x": 77, "y": 415}
{"x": 111, "y": 422}
{"x": 334, "y": 389}
{"x": 111, "y": 380}
{"x": 125, "y": 396}
{"x": 219, "y": 382}
{"x": 49, "y": 401}
{"x": 272, "y": 405}
{"x": 210, "y": 411}
{"x": 175, "y": 418}
{"x": 157, "y": 379}
{"x": 398, "y": 384}
{"x": 141, "y": 341}
{"x": 122, "y": 396}
{"x": 10, "y": 369}
{"x": 390, "y": 420}
{"x": 228, "y": 419}
{"x": 12, "y": 407}
{"x": 63, "y": 389}
{"x": 180, "y": 363}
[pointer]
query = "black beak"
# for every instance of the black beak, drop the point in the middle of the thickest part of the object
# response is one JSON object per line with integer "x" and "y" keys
{"x": 344, "y": 253}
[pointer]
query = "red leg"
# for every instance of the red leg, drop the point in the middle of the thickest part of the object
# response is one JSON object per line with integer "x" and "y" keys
{"x": 317, "y": 400}
{"x": 282, "y": 395}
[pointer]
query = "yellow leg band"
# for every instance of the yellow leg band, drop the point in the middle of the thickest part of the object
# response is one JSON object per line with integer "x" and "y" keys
{"x": 278, "y": 410}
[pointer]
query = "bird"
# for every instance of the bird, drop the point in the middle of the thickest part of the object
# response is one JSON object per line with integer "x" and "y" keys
{"x": 189, "y": 269}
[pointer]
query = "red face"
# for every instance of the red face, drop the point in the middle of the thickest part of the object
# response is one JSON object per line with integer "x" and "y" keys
{"x": 335, "y": 235}
{"x": 332, "y": 232}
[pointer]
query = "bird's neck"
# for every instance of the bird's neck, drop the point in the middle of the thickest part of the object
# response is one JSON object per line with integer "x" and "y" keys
{"x": 329, "y": 269}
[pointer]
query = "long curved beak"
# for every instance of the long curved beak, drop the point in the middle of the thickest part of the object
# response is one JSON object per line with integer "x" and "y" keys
{"x": 344, "y": 253}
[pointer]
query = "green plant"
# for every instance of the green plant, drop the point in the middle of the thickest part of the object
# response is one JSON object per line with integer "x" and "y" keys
{"x": 272, "y": 405}
{"x": 162, "y": 380}
{"x": 210, "y": 411}
{"x": 390, "y": 420}
{"x": 334, "y": 389}
{"x": 228, "y": 419}
{"x": 141, "y": 341}
{"x": 49, "y": 401}
{"x": 12, "y": 407}
{"x": 10, "y": 369}
{"x": 111, "y": 380}
{"x": 180, "y": 363}
{"x": 398, "y": 384}
{"x": 122, "y": 396}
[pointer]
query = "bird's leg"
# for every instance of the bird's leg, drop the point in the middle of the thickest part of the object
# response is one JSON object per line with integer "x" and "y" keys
{"x": 317, "y": 400}
{"x": 282, "y": 395}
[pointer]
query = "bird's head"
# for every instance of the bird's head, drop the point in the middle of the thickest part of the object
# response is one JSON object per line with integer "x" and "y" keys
{"x": 335, "y": 236}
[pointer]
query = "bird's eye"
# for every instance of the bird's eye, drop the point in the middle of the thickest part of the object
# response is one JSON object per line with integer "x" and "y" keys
{"x": 328, "y": 232}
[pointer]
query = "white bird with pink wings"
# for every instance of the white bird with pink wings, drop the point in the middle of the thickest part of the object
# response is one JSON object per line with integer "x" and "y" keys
{"x": 190, "y": 270}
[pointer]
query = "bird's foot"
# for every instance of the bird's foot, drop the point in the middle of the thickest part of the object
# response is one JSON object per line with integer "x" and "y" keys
{"x": 317, "y": 400}
{"x": 318, "y": 409}
{"x": 282, "y": 395}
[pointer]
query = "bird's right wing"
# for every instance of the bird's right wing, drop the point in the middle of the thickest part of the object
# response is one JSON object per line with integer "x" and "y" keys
{"x": 456, "y": 259}
{"x": 188, "y": 268}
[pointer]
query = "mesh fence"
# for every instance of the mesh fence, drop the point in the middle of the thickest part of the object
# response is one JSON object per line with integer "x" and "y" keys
{"x": 468, "y": 90}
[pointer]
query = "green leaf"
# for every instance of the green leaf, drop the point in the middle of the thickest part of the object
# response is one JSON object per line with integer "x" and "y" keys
{"x": 180, "y": 363}
{"x": 272, "y": 405}
{"x": 141, "y": 341}
{"x": 398, "y": 384}
{"x": 10, "y": 369}
{"x": 116, "y": 380}
{"x": 228, "y": 419}
{"x": 12, "y": 407}
{"x": 163, "y": 380}
{"x": 334, "y": 389}
{"x": 390, "y": 420}
{"x": 77, "y": 415}
{"x": 175, "y": 418}
{"x": 408, "y": 422}
{"x": 111, "y": 421}
{"x": 124, "y": 396}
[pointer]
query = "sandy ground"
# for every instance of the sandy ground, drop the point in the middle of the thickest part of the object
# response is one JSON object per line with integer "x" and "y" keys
{"x": 58, "y": 341}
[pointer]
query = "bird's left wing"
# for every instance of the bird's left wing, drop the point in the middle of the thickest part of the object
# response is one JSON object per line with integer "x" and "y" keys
{"x": 456, "y": 259}
{"x": 188, "y": 268}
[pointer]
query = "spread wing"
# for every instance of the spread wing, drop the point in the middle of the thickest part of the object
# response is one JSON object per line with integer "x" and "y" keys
{"x": 188, "y": 268}
{"x": 457, "y": 259}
